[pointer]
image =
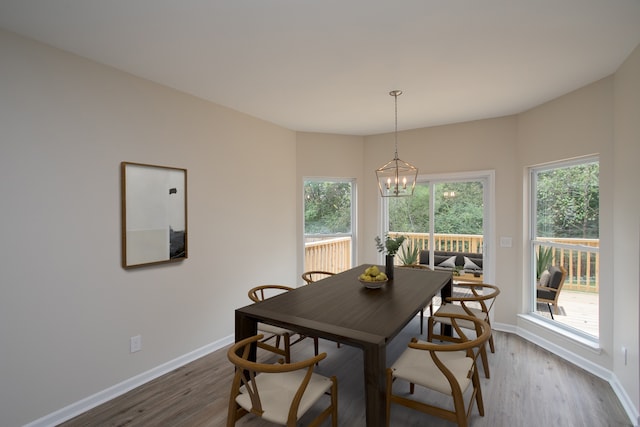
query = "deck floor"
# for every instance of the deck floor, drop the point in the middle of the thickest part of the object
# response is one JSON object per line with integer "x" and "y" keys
{"x": 578, "y": 310}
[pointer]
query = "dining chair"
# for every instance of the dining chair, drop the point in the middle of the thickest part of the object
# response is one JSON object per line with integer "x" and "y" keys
{"x": 449, "y": 369}
{"x": 476, "y": 299}
{"x": 271, "y": 332}
{"x": 280, "y": 393}
{"x": 315, "y": 275}
{"x": 427, "y": 268}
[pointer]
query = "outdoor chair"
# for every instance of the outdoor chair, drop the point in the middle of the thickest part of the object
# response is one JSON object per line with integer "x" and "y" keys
{"x": 549, "y": 287}
{"x": 446, "y": 368}
{"x": 271, "y": 332}
{"x": 477, "y": 301}
{"x": 280, "y": 393}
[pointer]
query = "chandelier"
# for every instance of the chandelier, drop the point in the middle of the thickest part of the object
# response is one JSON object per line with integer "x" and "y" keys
{"x": 397, "y": 178}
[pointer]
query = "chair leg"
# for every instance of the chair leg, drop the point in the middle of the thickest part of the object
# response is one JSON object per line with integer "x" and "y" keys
{"x": 287, "y": 348}
{"x": 388, "y": 399}
{"x": 421, "y": 320}
{"x": 478, "y": 393}
{"x": 485, "y": 360}
{"x": 550, "y": 311}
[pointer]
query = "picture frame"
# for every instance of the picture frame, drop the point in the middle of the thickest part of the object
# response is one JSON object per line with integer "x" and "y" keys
{"x": 153, "y": 214}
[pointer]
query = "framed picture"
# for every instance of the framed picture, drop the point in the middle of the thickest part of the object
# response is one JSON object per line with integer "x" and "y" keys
{"x": 154, "y": 214}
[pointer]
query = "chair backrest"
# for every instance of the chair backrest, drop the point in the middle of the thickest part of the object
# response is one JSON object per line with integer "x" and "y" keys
{"x": 459, "y": 322}
{"x": 557, "y": 275}
{"x": 247, "y": 371}
{"x": 260, "y": 293}
{"x": 315, "y": 275}
{"x": 483, "y": 294}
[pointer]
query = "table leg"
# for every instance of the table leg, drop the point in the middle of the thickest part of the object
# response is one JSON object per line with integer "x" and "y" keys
{"x": 246, "y": 327}
{"x": 375, "y": 365}
{"x": 446, "y": 292}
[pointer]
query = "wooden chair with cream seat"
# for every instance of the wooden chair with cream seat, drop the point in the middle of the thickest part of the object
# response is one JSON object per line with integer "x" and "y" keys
{"x": 271, "y": 332}
{"x": 450, "y": 369}
{"x": 420, "y": 267}
{"x": 280, "y": 393}
{"x": 477, "y": 301}
{"x": 315, "y": 275}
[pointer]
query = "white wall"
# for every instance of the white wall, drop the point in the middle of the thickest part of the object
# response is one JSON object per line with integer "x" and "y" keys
{"x": 577, "y": 124}
{"x": 67, "y": 308}
{"x": 329, "y": 156}
{"x": 472, "y": 146}
{"x": 626, "y": 226}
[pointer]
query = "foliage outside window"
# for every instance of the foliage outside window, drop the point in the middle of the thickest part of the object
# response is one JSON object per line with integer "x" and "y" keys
{"x": 328, "y": 224}
{"x": 327, "y": 207}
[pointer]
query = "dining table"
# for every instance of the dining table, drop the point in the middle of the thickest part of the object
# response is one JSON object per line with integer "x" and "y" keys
{"x": 341, "y": 309}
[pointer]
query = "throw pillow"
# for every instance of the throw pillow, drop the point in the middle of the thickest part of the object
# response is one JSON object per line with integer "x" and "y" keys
{"x": 449, "y": 262}
{"x": 544, "y": 278}
{"x": 470, "y": 265}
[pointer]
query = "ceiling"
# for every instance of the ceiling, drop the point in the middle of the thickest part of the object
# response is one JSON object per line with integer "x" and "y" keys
{"x": 328, "y": 65}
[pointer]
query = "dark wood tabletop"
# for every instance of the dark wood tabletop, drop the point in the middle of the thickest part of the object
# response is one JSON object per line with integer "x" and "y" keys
{"x": 341, "y": 309}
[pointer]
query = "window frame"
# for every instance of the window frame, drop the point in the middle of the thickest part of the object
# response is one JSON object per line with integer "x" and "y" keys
{"x": 354, "y": 215}
{"x": 533, "y": 244}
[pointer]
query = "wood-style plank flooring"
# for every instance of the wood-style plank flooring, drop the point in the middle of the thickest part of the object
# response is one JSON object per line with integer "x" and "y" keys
{"x": 529, "y": 387}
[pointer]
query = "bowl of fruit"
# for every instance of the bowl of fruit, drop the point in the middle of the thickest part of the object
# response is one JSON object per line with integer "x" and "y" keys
{"x": 373, "y": 278}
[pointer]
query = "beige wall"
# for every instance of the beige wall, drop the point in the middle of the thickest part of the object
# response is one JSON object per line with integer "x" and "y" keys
{"x": 329, "y": 156}
{"x": 67, "y": 308}
{"x": 575, "y": 125}
{"x": 626, "y": 225}
{"x": 472, "y": 146}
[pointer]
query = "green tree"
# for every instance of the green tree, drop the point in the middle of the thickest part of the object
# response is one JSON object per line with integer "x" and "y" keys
{"x": 327, "y": 207}
{"x": 568, "y": 202}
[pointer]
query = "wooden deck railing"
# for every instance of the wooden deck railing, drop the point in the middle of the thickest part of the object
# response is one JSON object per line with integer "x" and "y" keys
{"x": 582, "y": 264}
{"x": 332, "y": 255}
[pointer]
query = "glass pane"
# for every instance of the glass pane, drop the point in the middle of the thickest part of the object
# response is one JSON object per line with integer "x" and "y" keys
{"x": 327, "y": 207}
{"x": 566, "y": 221}
{"x": 410, "y": 214}
{"x": 459, "y": 212}
{"x": 568, "y": 202}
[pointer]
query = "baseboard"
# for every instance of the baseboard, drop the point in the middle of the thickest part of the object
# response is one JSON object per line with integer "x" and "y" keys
{"x": 575, "y": 359}
{"x": 103, "y": 396}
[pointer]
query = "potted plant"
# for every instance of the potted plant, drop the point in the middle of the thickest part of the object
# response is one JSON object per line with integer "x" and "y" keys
{"x": 389, "y": 247}
{"x": 408, "y": 254}
{"x": 544, "y": 258}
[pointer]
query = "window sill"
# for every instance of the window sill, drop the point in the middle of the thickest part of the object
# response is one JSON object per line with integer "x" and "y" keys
{"x": 590, "y": 343}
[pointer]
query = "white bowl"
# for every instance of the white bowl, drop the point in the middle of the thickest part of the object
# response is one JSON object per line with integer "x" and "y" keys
{"x": 373, "y": 285}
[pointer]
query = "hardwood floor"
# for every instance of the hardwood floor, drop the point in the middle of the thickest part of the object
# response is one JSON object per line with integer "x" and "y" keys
{"x": 529, "y": 387}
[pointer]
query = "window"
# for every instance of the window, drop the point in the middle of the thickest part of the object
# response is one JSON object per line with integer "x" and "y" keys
{"x": 329, "y": 218}
{"x": 448, "y": 213}
{"x": 565, "y": 233}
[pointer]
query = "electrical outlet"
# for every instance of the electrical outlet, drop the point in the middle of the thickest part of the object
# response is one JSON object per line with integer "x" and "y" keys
{"x": 135, "y": 343}
{"x": 506, "y": 242}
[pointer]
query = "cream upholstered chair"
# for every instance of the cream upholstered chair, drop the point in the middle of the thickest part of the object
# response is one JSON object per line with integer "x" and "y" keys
{"x": 315, "y": 275}
{"x": 271, "y": 332}
{"x": 446, "y": 368}
{"x": 478, "y": 301}
{"x": 280, "y": 393}
{"x": 550, "y": 285}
